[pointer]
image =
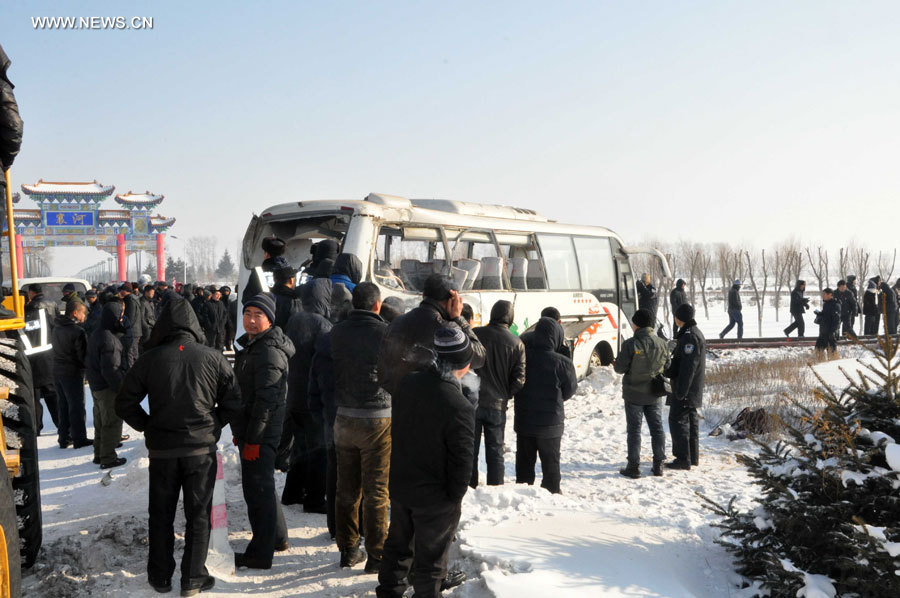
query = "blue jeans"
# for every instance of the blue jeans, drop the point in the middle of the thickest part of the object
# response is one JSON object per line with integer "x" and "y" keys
{"x": 734, "y": 317}
{"x": 493, "y": 423}
{"x": 634, "y": 414}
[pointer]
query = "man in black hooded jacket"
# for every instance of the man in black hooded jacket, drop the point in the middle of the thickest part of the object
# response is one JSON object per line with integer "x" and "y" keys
{"x": 190, "y": 389}
{"x": 305, "y": 481}
{"x": 829, "y": 321}
{"x": 502, "y": 376}
{"x": 688, "y": 374}
{"x": 69, "y": 351}
{"x": 539, "y": 410}
{"x": 799, "y": 305}
{"x": 677, "y": 298}
{"x": 105, "y": 367}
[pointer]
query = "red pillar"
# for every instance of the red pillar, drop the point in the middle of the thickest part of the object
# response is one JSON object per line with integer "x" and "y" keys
{"x": 120, "y": 255}
{"x": 20, "y": 257}
{"x": 160, "y": 256}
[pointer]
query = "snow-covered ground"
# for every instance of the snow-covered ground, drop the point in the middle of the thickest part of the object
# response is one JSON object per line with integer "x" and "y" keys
{"x": 606, "y": 535}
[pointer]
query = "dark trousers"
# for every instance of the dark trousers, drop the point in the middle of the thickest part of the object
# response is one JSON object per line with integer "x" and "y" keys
{"x": 892, "y": 322}
{"x": 634, "y": 415}
{"x": 798, "y": 324}
{"x": 263, "y": 509}
{"x": 194, "y": 477}
{"x": 493, "y": 423}
{"x": 70, "y": 409}
{"x": 870, "y": 324}
{"x": 734, "y": 317}
{"x": 846, "y": 326}
{"x": 331, "y": 490}
{"x": 826, "y": 341}
{"x": 417, "y": 549}
{"x": 527, "y": 450}
{"x": 107, "y": 426}
{"x": 684, "y": 427}
{"x": 363, "y": 449}
{"x": 305, "y": 481}
{"x": 48, "y": 393}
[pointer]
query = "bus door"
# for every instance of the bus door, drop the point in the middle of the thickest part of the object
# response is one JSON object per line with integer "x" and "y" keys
{"x": 627, "y": 293}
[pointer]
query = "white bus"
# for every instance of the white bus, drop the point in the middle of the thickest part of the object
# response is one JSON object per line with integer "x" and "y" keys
{"x": 493, "y": 252}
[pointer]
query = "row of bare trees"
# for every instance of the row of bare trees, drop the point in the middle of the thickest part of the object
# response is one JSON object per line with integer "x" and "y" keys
{"x": 712, "y": 268}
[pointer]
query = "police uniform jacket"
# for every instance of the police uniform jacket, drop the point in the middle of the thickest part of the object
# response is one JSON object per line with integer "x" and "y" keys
{"x": 688, "y": 368}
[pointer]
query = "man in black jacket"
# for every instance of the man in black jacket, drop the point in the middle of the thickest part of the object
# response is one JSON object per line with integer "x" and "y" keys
{"x": 261, "y": 367}
{"x": 734, "y": 311}
{"x": 431, "y": 463}
{"x": 871, "y": 314}
{"x": 362, "y": 429}
{"x": 856, "y": 310}
{"x": 287, "y": 300}
{"x": 230, "y": 317}
{"x": 323, "y": 408}
{"x": 848, "y": 306}
{"x": 148, "y": 313}
{"x": 220, "y": 311}
{"x": 647, "y": 296}
{"x": 134, "y": 315}
{"x": 40, "y": 314}
{"x": 799, "y": 304}
{"x": 829, "y": 321}
{"x": 552, "y": 313}
{"x": 190, "y": 389}
{"x": 69, "y": 351}
{"x": 104, "y": 368}
{"x": 688, "y": 374}
{"x": 502, "y": 376}
{"x": 408, "y": 345}
{"x": 889, "y": 297}
{"x": 539, "y": 410}
{"x": 303, "y": 433}
{"x": 677, "y": 298}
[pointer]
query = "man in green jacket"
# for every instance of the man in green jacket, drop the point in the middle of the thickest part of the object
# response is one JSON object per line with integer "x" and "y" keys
{"x": 642, "y": 360}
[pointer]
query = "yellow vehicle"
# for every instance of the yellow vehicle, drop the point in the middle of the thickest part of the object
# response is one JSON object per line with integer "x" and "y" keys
{"x": 20, "y": 505}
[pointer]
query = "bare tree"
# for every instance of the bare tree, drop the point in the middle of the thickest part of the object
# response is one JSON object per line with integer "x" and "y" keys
{"x": 819, "y": 265}
{"x": 844, "y": 262}
{"x": 762, "y": 267}
{"x": 704, "y": 261}
{"x": 883, "y": 260}
{"x": 730, "y": 265}
{"x": 860, "y": 260}
{"x": 781, "y": 266}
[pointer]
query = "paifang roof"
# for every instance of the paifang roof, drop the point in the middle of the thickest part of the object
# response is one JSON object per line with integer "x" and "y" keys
{"x": 139, "y": 200}
{"x": 68, "y": 188}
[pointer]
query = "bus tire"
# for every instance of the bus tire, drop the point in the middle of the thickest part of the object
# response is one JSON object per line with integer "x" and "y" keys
{"x": 601, "y": 356}
{"x": 10, "y": 557}
{"x": 20, "y": 429}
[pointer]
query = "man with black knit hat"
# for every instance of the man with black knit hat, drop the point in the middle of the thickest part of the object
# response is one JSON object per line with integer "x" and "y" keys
{"x": 829, "y": 321}
{"x": 799, "y": 305}
{"x": 642, "y": 360}
{"x": 677, "y": 298}
{"x": 407, "y": 344}
{"x": 687, "y": 371}
{"x": 431, "y": 463}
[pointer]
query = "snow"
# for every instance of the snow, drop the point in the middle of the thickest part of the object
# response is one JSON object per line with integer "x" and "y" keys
{"x": 606, "y": 535}
{"x": 815, "y": 586}
{"x": 892, "y": 452}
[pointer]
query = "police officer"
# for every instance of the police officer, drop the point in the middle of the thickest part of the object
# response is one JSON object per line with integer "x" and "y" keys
{"x": 687, "y": 372}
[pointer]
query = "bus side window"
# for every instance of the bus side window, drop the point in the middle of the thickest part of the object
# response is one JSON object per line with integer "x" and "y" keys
{"x": 595, "y": 263}
{"x": 559, "y": 262}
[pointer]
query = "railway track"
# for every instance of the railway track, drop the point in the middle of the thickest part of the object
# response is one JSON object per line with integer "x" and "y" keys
{"x": 776, "y": 342}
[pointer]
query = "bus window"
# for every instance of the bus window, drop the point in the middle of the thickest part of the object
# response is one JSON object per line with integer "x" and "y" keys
{"x": 475, "y": 253}
{"x": 595, "y": 263}
{"x": 404, "y": 257}
{"x": 516, "y": 251}
{"x": 559, "y": 262}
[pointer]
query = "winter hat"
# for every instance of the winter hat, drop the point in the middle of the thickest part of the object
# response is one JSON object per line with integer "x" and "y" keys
{"x": 90, "y": 293}
{"x": 680, "y": 283}
{"x": 265, "y": 302}
{"x": 642, "y": 318}
{"x": 69, "y": 288}
{"x": 870, "y": 287}
{"x": 438, "y": 287}
{"x": 453, "y": 347}
{"x": 685, "y": 312}
{"x": 273, "y": 246}
{"x": 126, "y": 286}
{"x": 737, "y": 282}
{"x": 851, "y": 278}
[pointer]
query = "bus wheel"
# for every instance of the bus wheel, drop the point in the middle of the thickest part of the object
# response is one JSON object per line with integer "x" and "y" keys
{"x": 10, "y": 558}
{"x": 20, "y": 429}
{"x": 602, "y": 355}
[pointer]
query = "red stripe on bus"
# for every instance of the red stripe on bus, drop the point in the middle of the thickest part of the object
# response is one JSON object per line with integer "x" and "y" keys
{"x": 612, "y": 320}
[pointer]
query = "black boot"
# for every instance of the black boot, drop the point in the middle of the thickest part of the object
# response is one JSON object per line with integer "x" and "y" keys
{"x": 632, "y": 470}
{"x": 453, "y": 579}
{"x": 352, "y": 556}
{"x": 679, "y": 464}
{"x": 657, "y": 467}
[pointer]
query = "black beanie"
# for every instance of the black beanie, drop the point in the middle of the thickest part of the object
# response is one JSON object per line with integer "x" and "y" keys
{"x": 642, "y": 318}
{"x": 438, "y": 287}
{"x": 453, "y": 347}
{"x": 265, "y": 302}
{"x": 685, "y": 312}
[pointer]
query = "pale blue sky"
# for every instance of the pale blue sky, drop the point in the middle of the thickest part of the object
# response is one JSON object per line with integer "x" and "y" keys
{"x": 742, "y": 121}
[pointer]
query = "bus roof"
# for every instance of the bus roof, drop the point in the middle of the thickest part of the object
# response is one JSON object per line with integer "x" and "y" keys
{"x": 433, "y": 211}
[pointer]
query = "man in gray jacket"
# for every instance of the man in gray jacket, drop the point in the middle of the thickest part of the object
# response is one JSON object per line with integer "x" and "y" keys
{"x": 642, "y": 360}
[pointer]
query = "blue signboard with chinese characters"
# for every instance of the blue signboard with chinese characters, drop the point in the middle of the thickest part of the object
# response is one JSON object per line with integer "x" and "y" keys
{"x": 69, "y": 218}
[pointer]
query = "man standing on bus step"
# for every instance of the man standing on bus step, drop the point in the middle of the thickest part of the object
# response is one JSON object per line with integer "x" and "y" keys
{"x": 431, "y": 463}
{"x": 407, "y": 346}
{"x": 734, "y": 311}
{"x": 502, "y": 376}
{"x": 184, "y": 381}
{"x": 677, "y": 298}
{"x": 642, "y": 360}
{"x": 688, "y": 373}
{"x": 647, "y": 296}
{"x": 799, "y": 305}
{"x": 539, "y": 412}
{"x": 69, "y": 352}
